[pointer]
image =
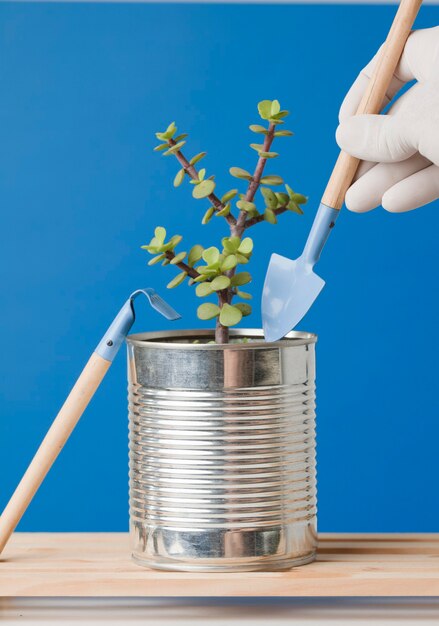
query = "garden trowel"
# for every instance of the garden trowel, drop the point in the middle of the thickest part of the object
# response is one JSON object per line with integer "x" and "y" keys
{"x": 291, "y": 287}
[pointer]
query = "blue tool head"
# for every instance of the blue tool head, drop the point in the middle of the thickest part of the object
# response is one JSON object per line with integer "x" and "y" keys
{"x": 122, "y": 323}
{"x": 157, "y": 303}
{"x": 290, "y": 289}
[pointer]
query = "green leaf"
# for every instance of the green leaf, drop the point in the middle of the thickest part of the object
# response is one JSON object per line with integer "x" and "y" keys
{"x": 178, "y": 258}
{"x": 208, "y": 311}
{"x": 180, "y": 137}
{"x": 243, "y": 205}
{"x": 244, "y": 308}
{"x": 270, "y": 216}
{"x": 211, "y": 255}
{"x": 238, "y": 172}
{"x": 172, "y": 243}
{"x": 201, "y": 174}
{"x": 155, "y": 242}
{"x": 175, "y": 240}
{"x": 241, "y": 278}
{"x": 177, "y": 280}
{"x": 246, "y": 246}
{"x": 161, "y": 146}
{"x": 231, "y": 244}
{"x": 200, "y": 279}
{"x": 299, "y": 198}
{"x": 244, "y": 295}
{"x": 197, "y": 158}
{"x": 208, "y": 215}
{"x": 165, "y": 261}
{"x": 160, "y": 233}
{"x": 229, "y": 263}
{"x": 204, "y": 189}
{"x": 269, "y": 197}
{"x": 170, "y": 131}
{"x": 283, "y": 133}
{"x": 230, "y": 315}
{"x": 271, "y": 180}
{"x": 269, "y": 155}
{"x": 195, "y": 254}
{"x": 281, "y": 114}
{"x": 179, "y": 177}
{"x": 203, "y": 289}
{"x": 241, "y": 258}
{"x": 207, "y": 271}
{"x": 295, "y": 208}
{"x": 224, "y": 212}
{"x": 264, "y": 109}
{"x": 229, "y": 195}
{"x": 156, "y": 259}
{"x": 257, "y": 128}
{"x": 257, "y": 146}
{"x": 220, "y": 282}
{"x": 289, "y": 190}
{"x": 174, "y": 149}
{"x": 151, "y": 249}
{"x": 282, "y": 198}
{"x": 275, "y": 108}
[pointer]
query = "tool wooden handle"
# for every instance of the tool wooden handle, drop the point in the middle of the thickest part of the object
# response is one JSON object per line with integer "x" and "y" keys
{"x": 52, "y": 444}
{"x": 346, "y": 165}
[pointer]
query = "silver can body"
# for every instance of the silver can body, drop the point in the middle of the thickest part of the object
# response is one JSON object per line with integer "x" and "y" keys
{"x": 222, "y": 451}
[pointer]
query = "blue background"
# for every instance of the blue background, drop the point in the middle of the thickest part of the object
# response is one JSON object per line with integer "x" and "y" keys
{"x": 84, "y": 88}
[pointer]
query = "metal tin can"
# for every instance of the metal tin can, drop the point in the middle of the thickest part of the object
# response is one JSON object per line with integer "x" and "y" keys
{"x": 222, "y": 451}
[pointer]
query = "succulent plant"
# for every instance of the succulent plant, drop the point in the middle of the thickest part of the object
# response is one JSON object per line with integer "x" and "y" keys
{"x": 216, "y": 271}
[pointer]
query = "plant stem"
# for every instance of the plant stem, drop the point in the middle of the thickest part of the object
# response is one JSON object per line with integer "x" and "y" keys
{"x": 242, "y": 222}
{"x": 260, "y": 218}
{"x": 253, "y": 185}
{"x": 193, "y": 173}
{"x": 222, "y": 332}
{"x": 237, "y": 226}
{"x": 191, "y": 271}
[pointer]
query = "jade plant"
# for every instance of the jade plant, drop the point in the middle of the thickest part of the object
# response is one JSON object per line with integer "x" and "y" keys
{"x": 217, "y": 271}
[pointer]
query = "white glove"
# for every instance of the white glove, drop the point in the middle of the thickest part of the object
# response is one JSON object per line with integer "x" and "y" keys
{"x": 405, "y": 142}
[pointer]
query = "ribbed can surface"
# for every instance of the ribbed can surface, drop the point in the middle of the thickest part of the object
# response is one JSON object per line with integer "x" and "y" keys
{"x": 222, "y": 451}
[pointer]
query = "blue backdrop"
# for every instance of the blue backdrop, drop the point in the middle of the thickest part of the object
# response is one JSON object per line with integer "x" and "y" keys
{"x": 84, "y": 88}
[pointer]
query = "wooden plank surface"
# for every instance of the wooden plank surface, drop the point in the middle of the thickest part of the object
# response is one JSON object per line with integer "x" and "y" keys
{"x": 99, "y": 564}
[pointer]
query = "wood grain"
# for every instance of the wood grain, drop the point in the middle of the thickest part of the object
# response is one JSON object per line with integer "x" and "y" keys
{"x": 99, "y": 564}
{"x": 346, "y": 165}
{"x": 52, "y": 444}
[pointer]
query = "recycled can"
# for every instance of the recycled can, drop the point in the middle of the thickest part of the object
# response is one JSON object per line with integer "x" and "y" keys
{"x": 222, "y": 451}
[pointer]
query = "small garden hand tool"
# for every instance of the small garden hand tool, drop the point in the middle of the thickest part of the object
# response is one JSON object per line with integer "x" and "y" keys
{"x": 291, "y": 287}
{"x": 74, "y": 406}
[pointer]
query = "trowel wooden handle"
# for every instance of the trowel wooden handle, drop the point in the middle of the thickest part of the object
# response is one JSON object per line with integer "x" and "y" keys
{"x": 346, "y": 165}
{"x": 52, "y": 444}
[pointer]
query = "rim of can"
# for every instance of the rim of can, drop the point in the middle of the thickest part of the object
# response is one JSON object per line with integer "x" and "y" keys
{"x": 168, "y": 339}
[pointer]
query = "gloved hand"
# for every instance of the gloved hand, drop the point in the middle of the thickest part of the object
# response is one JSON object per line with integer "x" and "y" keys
{"x": 405, "y": 142}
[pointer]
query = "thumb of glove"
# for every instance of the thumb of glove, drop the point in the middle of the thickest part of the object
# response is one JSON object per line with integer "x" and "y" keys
{"x": 377, "y": 138}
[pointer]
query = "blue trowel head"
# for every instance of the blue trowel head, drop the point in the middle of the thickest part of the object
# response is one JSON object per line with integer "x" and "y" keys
{"x": 290, "y": 289}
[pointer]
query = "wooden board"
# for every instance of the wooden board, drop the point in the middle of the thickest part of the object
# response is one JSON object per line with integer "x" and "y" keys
{"x": 99, "y": 564}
